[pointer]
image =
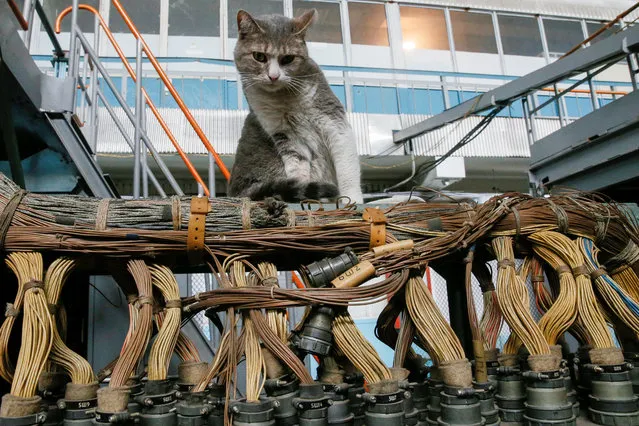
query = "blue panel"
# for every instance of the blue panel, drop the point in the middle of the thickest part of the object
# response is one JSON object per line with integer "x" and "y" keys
{"x": 406, "y": 100}
{"x": 389, "y": 100}
{"x": 153, "y": 88}
{"x": 585, "y": 105}
{"x": 572, "y": 108}
{"x": 107, "y": 92}
{"x": 605, "y": 101}
{"x": 516, "y": 110}
{"x": 191, "y": 92}
{"x": 167, "y": 100}
{"x": 454, "y": 97}
{"x": 549, "y": 110}
{"x": 340, "y": 92}
{"x": 359, "y": 99}
{"x": 230, "y": 95}
{"x": 422, "y": 101}
{"x": 212, "y": 94}
{"x": 436, "y": 101}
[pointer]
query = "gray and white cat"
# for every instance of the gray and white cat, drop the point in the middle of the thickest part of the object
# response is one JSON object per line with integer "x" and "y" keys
{"x": 296, "y": 142}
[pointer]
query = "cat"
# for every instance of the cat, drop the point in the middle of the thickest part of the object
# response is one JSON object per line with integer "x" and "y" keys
{"x": 296, "y": 142}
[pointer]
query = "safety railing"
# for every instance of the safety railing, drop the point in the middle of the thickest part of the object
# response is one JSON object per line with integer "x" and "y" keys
{"x": 162, "y": 74}
{"x": 96, "y": 93}
{"x": 92, "y": 93}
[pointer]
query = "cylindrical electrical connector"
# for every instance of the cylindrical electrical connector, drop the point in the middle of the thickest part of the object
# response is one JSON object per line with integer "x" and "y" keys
{"x": 312, "y": 405}
{"x": 193, "y": 409}
{"x": 420, "y": 400}
{"x": 79, "y": 403}
{"x": 486, "y": 394}
{"x": 317, "y": 334}
{"x": 158, "y": 403}
{"x": 612, "y": 401}
{"x": 547, "y": 400}
{"x": 435, "y": 388}
{"x": 356, "y": 404}
{"x": 217, "y": 400}
{"x": 633, "y": 359}
{"x": 321, "y": 273}
{"x": 283, "y": 390}
{"x": 384, "y": 409}
{"x": 339, "y": 413}
{"x": 460, "y": 406}
{"x": 511, "y": 394}
{"x": 259, "y": 413}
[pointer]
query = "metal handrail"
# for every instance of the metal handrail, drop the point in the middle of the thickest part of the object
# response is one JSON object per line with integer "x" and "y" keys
{"x": 167, "y": 82}
{"x": 147, "y": 99}
{"x": 18, "y": 14}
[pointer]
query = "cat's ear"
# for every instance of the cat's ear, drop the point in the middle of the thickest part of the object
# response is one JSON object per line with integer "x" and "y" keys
{"x": 246, "y": 24}
{"x": 303, "y": 22}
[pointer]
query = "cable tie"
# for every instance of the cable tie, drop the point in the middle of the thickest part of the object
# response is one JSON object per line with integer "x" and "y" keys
{"x": 33, "y": 284}
{"x": 597, "y": 273}
{"x": 505, "y": 263}
{"x": 580, "y": 270}
{"x": 270, "y": 282}
{"x": 143, "y": 300}
{"x": 563, "y": 269}
{"x": 174, "y": 303}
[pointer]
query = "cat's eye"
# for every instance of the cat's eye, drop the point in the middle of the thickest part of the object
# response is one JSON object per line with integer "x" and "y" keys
{"x": 286, "y": 59}
{"x": 259, "y": 56}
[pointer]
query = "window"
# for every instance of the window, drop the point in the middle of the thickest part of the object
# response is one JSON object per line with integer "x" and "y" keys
{"x": 415, "y": 19}
{"x": 145, "y": 14}
{"x": 473, "y": 32}
{"x": 562, "y": 35}
{"x": 593, "y": 27}
{"x": 255, "y": 8}
{"x": 375, "y": 100}
{"x": 194, "y": 18}
{"x": 328, "y": 27}
{"x": 368, "y": 24}
{"x": 520, "y": 36}
{"x": 86, "y": 19}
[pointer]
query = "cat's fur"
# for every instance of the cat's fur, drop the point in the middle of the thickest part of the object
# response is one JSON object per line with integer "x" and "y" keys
{"x": 296, "y": 142}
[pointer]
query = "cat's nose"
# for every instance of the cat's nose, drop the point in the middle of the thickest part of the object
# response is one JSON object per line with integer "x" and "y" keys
{"x": 274, "y": 77}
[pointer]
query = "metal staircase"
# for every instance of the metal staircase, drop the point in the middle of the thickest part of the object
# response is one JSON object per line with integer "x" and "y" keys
{"x": 61, "y": 114}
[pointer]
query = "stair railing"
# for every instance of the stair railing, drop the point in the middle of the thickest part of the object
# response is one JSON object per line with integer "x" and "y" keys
{"x": 136, "y": 119}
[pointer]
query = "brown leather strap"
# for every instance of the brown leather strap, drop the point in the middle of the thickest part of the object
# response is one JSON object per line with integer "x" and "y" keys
{"x": 197, "y": 224}
{"x": 177, "y": 303}
{"x": 378, "y": 226}
{"x": 33, "y": 284}
{"x": 506, "y": 263}
{"x": 563, "y": 269}
{"x": 580, "y": 270}
{"x": 537, "y": 279}
{"x": 597, "y": 273}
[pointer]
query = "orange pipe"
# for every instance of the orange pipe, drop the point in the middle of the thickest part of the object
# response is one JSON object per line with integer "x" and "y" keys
{"x": 171, "y": 89}
{"x": 18, "y": 14}
{"x": 149, "y": 102}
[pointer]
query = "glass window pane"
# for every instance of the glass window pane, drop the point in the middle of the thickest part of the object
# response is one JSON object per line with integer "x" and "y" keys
{"x": 520, "y": 36}
{"x": 52, "y": 9}
{"x": 255, "y": 8}
{"x": 145, "y": 14}
{"x": 194, "y": 18}
{"x": 593, "y": 27}
{"x": 368, "y": 24}
{"x": 562, "y": 35}
{"x": 328, "y": 27}
{"x": 415, "y": 19}
{"x": 473, "y": 32}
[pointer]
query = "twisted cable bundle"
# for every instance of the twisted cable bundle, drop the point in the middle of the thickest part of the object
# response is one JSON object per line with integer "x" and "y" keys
{"x": 169, "y": 325}
{"x": 138, "y": 340}
{"x": 37, "y": 337}
{"x": 77, "y": 367}
{"x": 514, "y": 299}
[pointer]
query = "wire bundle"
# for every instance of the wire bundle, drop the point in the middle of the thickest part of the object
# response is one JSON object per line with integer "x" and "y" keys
{"x": 77, "y": 367}
{"x": 492, "y": 318}
{"x": 619, "y": 302}
{"x": 357, "y": 349}
{"x": 37, "y": 337}
{"x": 563, "y": 312}
{"x": 169, "y": 325}
{"x": 138, "y": 338}
{"x": 435, "y": 333}
{"x": 255, "y": 366}
{"x": 514, "y": 299}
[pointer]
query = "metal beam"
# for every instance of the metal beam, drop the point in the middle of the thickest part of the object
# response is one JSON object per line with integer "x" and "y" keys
{"x": 609, "y": 50}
